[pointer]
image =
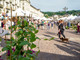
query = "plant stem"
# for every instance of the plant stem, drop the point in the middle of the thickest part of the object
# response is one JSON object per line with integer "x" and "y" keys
{"x": 11, "y": 31}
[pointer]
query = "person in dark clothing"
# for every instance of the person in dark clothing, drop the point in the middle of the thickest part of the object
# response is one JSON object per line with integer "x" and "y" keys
{"x": 78, "y": 27}
{"x": 38, "y": 24}
{"x": 61, "y": 29}
{"x": 2, "y": 24}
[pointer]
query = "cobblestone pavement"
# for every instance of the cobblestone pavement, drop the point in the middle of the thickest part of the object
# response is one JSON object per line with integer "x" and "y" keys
{"x": 55, "y": 49}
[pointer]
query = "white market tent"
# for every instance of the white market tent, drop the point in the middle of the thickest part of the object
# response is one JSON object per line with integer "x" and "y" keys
{"x": 44, "y": 18}
{"x": 37, "y": 18}
{"x": 18, "y": 12}
{"x": 49, "y": 19}
{"x": 64, "y": 18}
{"x": 13, "y": 13}
{"x": 77, "y": 19}
{"x": 71, "y": 17}
{"x": 34, "y": 16}
{"x": 27, "y": 13}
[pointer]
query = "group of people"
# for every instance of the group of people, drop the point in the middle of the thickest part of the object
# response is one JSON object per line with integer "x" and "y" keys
{"x": 43, "y": 24}
{"x": 38, "y": 24}
{"x": 5, "y": 22}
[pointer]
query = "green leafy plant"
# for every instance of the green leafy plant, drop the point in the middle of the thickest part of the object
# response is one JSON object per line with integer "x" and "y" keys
{"x": 45, "y": 39}
{"x": 74, "y": 27}
{"x": 0, "y": 38}
{"x": 26, "y": 35}
{"x": 52, "y": 38}
{"x": 67, "y": 27}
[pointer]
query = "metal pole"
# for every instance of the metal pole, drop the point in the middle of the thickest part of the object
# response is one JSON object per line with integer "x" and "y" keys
{"x": 11, "y": 22}
{"x": 11, "y": 30}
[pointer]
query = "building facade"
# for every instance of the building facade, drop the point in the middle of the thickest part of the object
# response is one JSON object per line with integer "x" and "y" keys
{"x": 15, "y": 4}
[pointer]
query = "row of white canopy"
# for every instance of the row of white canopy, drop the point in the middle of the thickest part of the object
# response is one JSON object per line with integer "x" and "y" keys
{"x": 44, "y": 18}
{"x": 71, "y": 18}
{"x": 20, "y": 12}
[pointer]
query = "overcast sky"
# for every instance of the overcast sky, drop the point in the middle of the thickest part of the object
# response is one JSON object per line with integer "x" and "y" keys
{"x": 56, "y": 5}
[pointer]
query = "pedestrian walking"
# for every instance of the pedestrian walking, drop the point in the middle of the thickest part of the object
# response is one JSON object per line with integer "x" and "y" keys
{"x": 61, "y": 29}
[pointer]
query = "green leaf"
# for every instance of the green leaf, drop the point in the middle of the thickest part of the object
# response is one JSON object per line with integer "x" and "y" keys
{"x": 18, "y": 34}
{"x": 4, "y": 49}
{"x": 33, "y": 46}
{"x": 12, "y": 26}
{"x": 31, "y": 59}
{"x": 29, "y": 51}
{"x": 45, "y": 39}
{"x": 52, "y": 38}
{"x": 32, "y": 37}
{"x": 37, "y": 52}
{"x": 12, "y": 38}
{"x": 9, "y": 27}
{"x": 8, "y": 42}
{"x": 31, "y": 55}
{"x": 23, "y": 58}
{"x": 15, "y": 27}
{"x": 24, "y": 43}
{"x": 36, "y": 31}
{"x": 0, "y": 38}
{"x": 20, "y": 31}
{"x": 18, "y": 22}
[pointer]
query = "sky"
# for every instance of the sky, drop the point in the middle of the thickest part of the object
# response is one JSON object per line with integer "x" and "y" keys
{"x": 56, "y": 5}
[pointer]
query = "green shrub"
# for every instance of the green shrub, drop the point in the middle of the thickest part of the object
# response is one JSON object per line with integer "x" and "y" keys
{"x": 26, "y": 35}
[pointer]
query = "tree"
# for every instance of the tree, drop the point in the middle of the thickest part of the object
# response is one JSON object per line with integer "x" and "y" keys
{"x": 46, "y": 15}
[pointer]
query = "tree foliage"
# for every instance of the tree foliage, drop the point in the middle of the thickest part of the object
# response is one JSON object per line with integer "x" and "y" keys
{"x": 74, "y": 12}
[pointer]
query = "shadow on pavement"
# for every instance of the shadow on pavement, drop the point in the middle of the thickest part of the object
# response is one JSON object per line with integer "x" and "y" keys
{"x": 3, "y": 44}
{"x": 71, "y": 50}
{"x": 73, "y": 32}
{"x": 47, "y": 35}
{"x": 50, "y": 56}
{"x": 51, "y": 33}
